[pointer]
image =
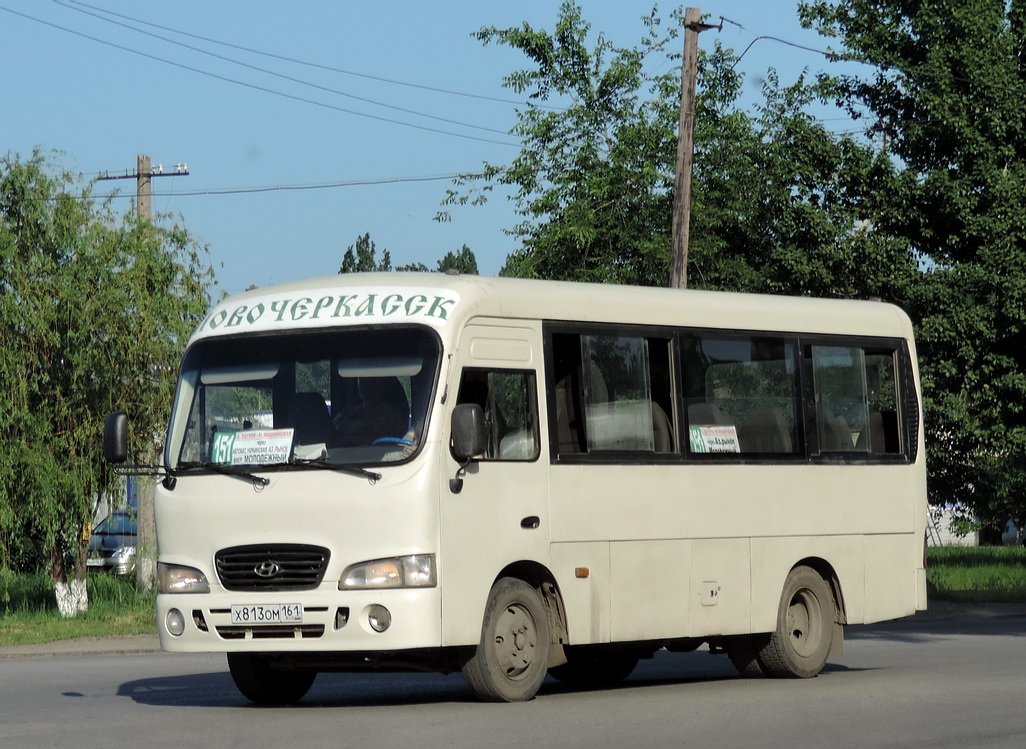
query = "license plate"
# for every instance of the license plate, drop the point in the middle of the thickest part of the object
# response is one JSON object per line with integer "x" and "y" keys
{"x": 267, "y": 613}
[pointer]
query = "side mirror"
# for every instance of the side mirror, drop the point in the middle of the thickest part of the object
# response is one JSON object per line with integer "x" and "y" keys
{"x": 469, "y": 433}
{"x": 115, "y": 437}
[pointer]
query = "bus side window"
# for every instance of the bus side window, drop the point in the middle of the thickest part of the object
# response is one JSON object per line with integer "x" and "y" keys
{"x": 856, "y": 400}
{"x": 569, "y": 420}
{"x": 742, "y": 394}
{"x": 507, "y": 398}
{"x": 883, "y": 435}
{"x": 612, "y": 393}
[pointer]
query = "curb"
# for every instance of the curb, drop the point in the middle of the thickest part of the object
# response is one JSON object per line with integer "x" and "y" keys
{"x": 84, "y": 646}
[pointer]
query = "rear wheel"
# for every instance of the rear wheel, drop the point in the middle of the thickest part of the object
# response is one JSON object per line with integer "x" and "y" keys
{"x": 805, "y": 620}
{"x": 263, "y": 684}
{"x": 595, "y": 667}
{"x": 511, "y": 660}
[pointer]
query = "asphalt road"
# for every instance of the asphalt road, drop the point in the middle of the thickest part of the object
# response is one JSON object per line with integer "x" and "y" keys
{"x": 953, "y": 677}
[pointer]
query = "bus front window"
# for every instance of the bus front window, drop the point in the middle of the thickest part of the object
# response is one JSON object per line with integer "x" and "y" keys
{"x": 342, "y": 397}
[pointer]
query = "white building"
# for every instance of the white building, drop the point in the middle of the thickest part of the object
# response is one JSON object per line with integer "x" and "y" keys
{"x": 938, "y": 529}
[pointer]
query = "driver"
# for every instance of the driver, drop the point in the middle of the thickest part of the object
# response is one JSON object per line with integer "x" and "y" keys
{"x": 382, "y": 413}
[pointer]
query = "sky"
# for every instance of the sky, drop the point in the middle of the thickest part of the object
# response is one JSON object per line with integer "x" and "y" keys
{"x": 344, "y": 117}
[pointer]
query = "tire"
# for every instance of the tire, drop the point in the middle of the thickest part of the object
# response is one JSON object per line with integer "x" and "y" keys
{"x": 511, "y": 660}
{"x": 590, "y": 667}
{"x": 744, "y": 654}
{"x": 263, "y": 684}
{"x": 799, "y": 647}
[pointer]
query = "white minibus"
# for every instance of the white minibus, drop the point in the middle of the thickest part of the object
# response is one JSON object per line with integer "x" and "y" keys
{"x": 513, "y": 478}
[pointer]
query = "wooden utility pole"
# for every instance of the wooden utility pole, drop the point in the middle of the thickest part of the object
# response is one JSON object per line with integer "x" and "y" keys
{"x": 146, "y": 527}
{"x": 693, "y": 26}
{"x": 143, "y": 193}
{"x": 143, "y": 175}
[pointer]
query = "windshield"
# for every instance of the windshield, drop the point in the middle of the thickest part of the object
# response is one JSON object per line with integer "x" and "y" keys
{"x": 346, "y": 397}
{"x": 117, "y": 524}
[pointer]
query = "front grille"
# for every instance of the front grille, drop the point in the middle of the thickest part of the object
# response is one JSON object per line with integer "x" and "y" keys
{"x": 271, "y": 567}
{"x": 277, "y": 632}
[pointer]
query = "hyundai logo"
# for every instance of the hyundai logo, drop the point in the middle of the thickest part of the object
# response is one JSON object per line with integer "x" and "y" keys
{"x": 270, "y": 568}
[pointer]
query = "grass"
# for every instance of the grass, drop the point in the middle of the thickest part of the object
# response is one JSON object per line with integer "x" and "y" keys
{"x": 986, "y": 573}
{"x": 28, "y": 612}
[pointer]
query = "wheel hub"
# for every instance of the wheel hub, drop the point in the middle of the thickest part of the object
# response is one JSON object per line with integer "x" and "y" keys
{"x": 799, "y": 623}
{"x": 516, "y": 640}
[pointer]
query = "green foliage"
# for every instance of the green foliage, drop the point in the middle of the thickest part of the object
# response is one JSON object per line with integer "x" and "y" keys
{"x": 462, "y": 262}
{"x": 94, "y": 312}
{"x": 591, "y": 182}
{"x": 33, "y": 593}
{"x": 985, "y": 573}
{"x": 28, "y": 613}
{"x": 413, "y": 268}
{"x": 781, "y": 205}
{"x": 25, "y": 592}
{"x": 361, "y": 258}
{"x": 946, "y": 95}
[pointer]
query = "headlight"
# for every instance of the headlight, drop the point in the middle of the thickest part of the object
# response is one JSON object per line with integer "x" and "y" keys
{"x": 176, "y": 578}
{"x": 125, "y": 553}
{"x": 416, "y": 571}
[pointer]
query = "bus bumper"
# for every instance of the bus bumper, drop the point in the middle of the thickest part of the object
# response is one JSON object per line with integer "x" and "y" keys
{"x": 355, "y": 621}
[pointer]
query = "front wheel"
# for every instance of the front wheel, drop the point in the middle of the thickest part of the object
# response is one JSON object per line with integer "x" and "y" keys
{"x": 263, "y": 684}
{"x": 805, "y": 620}
{"x": 510, "y": 662}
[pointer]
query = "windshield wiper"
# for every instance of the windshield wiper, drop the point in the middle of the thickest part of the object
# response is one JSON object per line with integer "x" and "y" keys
{"x": 353, "y": 470}
{"x": 225, "y": 470}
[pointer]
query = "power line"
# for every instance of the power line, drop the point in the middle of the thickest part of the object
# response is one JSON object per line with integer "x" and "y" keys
{"x": 301, "y": 187}
{"x": 276, "y": 74}
{"x": 276, "y": 188}
{"x": 825, "y": 53}
{"x": 306, "y": 63}
{"x": 254, "y": 86}
{"x": 882, "y": 66}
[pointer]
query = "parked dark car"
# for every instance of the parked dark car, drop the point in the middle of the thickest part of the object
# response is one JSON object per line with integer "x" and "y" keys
{"x": 112, "y": 544}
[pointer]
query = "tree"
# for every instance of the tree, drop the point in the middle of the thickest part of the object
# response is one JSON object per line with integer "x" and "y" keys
{"x": 462, "y": 261}
{"x": 359, "y": 258}
{"x": 413, "y": 268}
{"x": 781, "y": 205}
{"x": 591, "y": 179}
{"x": 94, "y": 313}
{"x": 946, "y": 93}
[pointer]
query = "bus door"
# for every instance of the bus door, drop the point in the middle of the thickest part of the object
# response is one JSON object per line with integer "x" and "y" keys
{"x": 499, "y": 513}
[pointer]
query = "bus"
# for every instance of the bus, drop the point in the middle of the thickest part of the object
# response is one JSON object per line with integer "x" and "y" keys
{"x": 515, "y": 478}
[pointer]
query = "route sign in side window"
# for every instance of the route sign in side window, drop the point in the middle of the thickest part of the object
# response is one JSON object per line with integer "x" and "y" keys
{"x": 741, "y": 394}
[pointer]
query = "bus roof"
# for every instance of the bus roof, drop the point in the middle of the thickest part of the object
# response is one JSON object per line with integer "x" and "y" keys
{"x": 443, "y": 300}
